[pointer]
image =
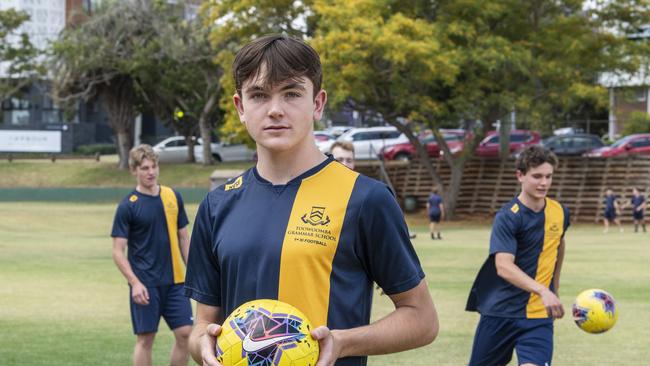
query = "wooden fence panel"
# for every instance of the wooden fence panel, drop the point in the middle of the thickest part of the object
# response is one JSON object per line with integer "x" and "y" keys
{"x": 578, "y": 182}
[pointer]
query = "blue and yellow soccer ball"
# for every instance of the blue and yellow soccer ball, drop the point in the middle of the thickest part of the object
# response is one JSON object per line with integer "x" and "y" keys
{"x": 594, "y": 311}
{"x": 266, "y": 333}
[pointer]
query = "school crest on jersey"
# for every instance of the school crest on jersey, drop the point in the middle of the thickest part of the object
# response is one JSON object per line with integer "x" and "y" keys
{"x": 316, "y": 216}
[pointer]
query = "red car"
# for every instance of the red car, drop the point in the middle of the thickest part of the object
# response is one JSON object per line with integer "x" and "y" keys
{"x": 406, "y": 150}
{"x": 519, "y": 139}
{"x": 628, "y": 145}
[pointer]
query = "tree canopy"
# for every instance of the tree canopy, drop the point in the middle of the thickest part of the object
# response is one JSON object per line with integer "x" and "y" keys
{"x": 18, "y": 57}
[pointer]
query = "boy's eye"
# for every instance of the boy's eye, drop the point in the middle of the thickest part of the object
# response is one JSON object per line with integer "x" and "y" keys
{"x": 258, "y": 96}
{"x": 292, "y": 95}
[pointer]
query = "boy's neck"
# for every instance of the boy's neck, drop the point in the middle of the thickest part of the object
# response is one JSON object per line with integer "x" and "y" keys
{"x": 151, "y": 191}
{"x": 533, "y": 203}
{"x": 281, "y": 167}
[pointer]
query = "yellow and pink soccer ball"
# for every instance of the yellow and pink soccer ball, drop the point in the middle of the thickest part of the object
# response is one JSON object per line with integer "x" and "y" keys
{"x": 595, "y": 311}
{"x": 266, "y": 333}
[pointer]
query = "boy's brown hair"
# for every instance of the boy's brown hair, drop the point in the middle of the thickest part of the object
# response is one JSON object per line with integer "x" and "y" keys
{"x": 534, "y": 156}
{"x": 345, "y": 145}
{"x": 141, "y": 152}
{"x": 282, "y": 57}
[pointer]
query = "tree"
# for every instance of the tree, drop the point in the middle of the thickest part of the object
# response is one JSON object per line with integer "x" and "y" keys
{"x": 104, "y": 57}
{"x": 18, "y": 57}
{"x": 441, "y": 63}
{"x": 184, "y": 86}
{"x": 237, "y": 22}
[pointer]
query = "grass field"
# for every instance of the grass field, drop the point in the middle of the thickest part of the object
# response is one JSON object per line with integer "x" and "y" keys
{"x": 63, "y": 302}
{"x": 89, "y": 173}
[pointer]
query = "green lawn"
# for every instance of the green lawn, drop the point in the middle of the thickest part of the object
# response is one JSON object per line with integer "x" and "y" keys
{"x": 89, "y": 173}
{"x": 63, "y": 302}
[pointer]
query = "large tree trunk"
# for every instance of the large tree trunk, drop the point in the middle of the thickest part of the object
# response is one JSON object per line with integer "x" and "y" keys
{"x": 451, "y": 194}
{"x": 118, "y": 98}
{"x": 206, "y": 128}
{"x": 189, "y": 141}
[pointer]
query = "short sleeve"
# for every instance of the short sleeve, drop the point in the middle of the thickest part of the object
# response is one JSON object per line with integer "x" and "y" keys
{"x": 203, "y": 277}
{"x": 384, "y": 244}
{"x": 121, "y": 222}
{"x": 504, "y": 231}
{"x": 182, "y": 215}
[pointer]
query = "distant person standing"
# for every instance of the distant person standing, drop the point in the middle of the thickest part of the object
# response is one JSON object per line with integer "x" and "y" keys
{"x": 343, "y": 152}
{"x": 436, "y": 211}
{"x": 638, "y": 209}
{"x": 612, "y": 211}
{"x": 151, "y": 222}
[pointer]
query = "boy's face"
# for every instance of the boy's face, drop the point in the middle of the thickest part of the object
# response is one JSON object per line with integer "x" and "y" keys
{"x": 146, "y": 173}
{"x": 279, "y": 119}
{"x": 537, "y": 181}
{"x": 345, "y": 157}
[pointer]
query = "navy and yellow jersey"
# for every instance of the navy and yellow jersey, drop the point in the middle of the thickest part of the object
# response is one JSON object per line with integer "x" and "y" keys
{"x": 637, "y": 201}
{"x": 434, "y": 201}
{"x": 533, "y": 238}
{"x": 317, "y": 243}
{"x": 150, "y": 224}
{"x": 610, "y": 205}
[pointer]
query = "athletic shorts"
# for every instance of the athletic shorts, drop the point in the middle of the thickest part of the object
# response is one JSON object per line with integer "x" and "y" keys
{"x": 434, "y": 217}
{"x": 637, "y": 215}
{"x": 610, "y": 214}
{"x": 166, "y": 301}
{"x": 496, "y": 338}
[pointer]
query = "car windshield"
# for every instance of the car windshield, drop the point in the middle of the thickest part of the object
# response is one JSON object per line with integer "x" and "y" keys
{"x": 621, "y": 142}
{"x": 447, "y": 137}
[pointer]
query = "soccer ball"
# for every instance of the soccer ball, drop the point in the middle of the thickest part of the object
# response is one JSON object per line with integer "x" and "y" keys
{"x": 266, "y": 333}
{"x": 594, "y": 311}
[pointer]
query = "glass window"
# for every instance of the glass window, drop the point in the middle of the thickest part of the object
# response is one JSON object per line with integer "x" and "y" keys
{"x": 518, "y": 138}
{"x": 493, "y": 140}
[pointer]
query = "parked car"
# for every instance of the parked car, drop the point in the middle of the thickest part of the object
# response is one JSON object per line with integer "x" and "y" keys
{"x": 368, "y": 142}
{"x": 337, "y": 131}
{"x": 519, "y": 139}
{"x": 577, "y": 144}
{"x": 628, "y": 145}
{"x": 406, "y": 150}
{"x": 324, "y": 141}
{"x": 174, "y": 150}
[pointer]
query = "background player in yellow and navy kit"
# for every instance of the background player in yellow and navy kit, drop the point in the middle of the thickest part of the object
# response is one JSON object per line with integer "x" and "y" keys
{"x": 302, "y": 228}
{"x": 638, "y": 209}
{"x": 151, "y": 221}
{"x": 612, "y": 211}
{"x": 516, "y": 289}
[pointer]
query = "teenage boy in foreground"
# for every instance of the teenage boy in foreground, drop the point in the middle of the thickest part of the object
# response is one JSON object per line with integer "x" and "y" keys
{"x": 302, "y": 228}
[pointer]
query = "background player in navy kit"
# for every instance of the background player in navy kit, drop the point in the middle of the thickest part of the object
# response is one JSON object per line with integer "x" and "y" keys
{"x": 612, "y": 211}
{"x": 638, "y": 209}
{"x": 436, "y": 211}
{"x": 516, "y": 289}
{"x": 152, "y": 223}
{"x": 302, "y": 228}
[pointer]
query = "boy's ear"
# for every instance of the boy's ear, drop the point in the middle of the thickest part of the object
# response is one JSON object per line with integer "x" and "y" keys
{"x": 239, "y": 105}
{"x": 319, "y": 104}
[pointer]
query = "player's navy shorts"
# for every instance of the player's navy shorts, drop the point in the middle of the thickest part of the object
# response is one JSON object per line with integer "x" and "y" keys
{"x": 610, "y": 214}
{"x": 496, "y": 338}
{"x": 434, "y": 216}
{"x": 166, "y": 301}
{"x": 637, "y": 215}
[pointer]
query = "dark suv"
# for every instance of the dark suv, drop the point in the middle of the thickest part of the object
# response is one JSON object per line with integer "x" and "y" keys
{"x": 577, "y": 144}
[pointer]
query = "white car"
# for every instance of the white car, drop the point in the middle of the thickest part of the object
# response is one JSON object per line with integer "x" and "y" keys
{"x": 324, "y": 141}
{"x": 369, "y": 142}
{"x": 174, "y": 150}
